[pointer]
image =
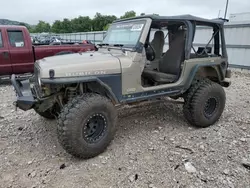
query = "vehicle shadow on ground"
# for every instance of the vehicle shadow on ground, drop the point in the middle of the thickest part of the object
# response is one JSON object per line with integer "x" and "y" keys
{"x": 160, "y": 113}
{"x": 159, "y": 107}
{"x": 131, "y": 122}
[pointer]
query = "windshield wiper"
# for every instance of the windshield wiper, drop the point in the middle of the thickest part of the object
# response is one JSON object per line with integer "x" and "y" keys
{"x": 120, "y": 45}
{"x": 103, "y": 44}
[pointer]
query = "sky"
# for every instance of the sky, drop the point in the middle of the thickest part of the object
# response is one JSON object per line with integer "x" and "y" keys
{"x": 31, "y": 11}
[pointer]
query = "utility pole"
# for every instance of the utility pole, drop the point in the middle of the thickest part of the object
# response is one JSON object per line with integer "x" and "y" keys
{"x": 226, "y": 10}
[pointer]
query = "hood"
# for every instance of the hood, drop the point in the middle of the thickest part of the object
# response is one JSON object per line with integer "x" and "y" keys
{"x": 81, "y": 64}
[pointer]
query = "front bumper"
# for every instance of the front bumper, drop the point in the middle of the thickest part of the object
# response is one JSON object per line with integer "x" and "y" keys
{"x": 25, "y": 99}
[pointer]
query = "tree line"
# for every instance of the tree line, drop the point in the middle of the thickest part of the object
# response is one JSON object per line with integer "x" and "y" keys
{"x": 81, "y": 24}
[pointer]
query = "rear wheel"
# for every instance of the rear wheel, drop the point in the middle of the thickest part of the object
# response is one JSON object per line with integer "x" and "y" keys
{"x": 204, "y": 104}
{"x": 86, "y": 125}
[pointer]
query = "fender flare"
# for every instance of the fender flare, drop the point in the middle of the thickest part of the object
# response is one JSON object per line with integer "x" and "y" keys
{"x": 107, "y": 90}
{"x": 86, "y": 80}
{"x": 196, "y": 69}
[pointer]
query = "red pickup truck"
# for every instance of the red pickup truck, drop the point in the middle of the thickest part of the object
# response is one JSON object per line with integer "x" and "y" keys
{"x": 18, "y": 54}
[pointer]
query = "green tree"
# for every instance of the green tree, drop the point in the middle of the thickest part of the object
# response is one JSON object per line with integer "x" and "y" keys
{"x": 66, "y": 26}
{"x": 81, "y": 24}
{"x": 100, "y": 21}
{"x": 57, "y": 27}
{"x": 106, "y": 27}
{"x": 129, "y": 14}
{"x": 42, "y": 26}
{"x": 107, "y": 21}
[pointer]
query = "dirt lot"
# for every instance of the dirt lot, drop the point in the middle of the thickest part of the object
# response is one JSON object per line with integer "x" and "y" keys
{"x": 154, "y": 147}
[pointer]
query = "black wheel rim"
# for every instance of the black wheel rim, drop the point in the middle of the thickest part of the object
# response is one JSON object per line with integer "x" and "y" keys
{"x": 210, "y": 107}
{"x": 94, "y": 128}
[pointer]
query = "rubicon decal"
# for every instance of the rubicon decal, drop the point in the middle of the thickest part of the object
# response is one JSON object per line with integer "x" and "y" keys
{"x": 85, "y": 73}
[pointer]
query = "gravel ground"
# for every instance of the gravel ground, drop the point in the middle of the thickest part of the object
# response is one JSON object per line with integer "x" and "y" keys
{"x": 154, "y": 147}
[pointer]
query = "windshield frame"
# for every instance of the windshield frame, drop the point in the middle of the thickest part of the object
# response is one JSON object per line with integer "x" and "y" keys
{"x": 128, "y": 46}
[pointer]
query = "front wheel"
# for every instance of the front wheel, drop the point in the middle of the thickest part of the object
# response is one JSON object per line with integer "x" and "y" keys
{"x": 205, "y": 105}
{"x": 86, "y": 125}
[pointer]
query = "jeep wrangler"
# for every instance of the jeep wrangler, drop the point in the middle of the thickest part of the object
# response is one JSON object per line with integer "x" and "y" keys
{"x": 140, "y": 59}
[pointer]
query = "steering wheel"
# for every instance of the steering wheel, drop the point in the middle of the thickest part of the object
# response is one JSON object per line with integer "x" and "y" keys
{"x": 150, "y": 52}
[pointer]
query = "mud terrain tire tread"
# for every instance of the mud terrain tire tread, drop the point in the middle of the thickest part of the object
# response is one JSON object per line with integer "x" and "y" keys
{"x": 71, "y": 120}
{"x": 197, "y": 82}
{"x": 193, "y": 105}
{"x": 194, "y": 100}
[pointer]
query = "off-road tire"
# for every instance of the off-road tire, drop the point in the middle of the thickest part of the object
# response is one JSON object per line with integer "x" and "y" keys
{"x": 194, "y": 106}
{"x": 197, "y": 82}
{"x": 49, "y": 114}
{"x": 73, "y": 120}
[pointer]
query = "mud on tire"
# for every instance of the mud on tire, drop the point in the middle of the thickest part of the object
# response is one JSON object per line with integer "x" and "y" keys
{"x": 86, "y": 125}
{"x": 204, "y": 103}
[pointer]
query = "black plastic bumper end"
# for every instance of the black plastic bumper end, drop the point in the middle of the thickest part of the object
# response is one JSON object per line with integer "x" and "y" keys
{"x": 25, "y": 99}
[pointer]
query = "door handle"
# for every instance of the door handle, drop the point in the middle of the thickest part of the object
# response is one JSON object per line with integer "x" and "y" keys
{"x": 6, "y": 55}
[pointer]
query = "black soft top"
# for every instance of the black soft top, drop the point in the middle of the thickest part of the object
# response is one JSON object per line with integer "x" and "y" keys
{"x": 186, "y": 17}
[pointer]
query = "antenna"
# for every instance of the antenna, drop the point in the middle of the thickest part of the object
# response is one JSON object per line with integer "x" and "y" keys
{"x": 226, "y": 10}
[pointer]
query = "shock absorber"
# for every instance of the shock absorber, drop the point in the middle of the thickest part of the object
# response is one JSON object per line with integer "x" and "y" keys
{"x": 72, "y": 92}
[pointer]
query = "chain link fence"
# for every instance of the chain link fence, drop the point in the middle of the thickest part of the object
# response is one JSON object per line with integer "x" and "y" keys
{"x": 94, "y": 37}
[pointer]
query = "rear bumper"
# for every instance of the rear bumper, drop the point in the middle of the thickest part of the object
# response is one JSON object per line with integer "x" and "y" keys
{"x": 227, "y": 82}
{"x": 228, "y": 73}
{"x": 25, "y": 99}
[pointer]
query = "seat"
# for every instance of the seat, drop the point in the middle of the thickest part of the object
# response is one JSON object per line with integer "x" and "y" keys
{"x": 170, "y": 63}
{"x": 158, "y": 44}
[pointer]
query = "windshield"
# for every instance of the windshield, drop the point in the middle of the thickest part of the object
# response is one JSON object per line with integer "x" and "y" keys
{"x": 124, "y": 34}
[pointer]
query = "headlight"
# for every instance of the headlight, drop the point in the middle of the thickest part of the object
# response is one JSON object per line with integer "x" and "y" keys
{"x": 37, "y": 80}
{"x": 37, "y": 74}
